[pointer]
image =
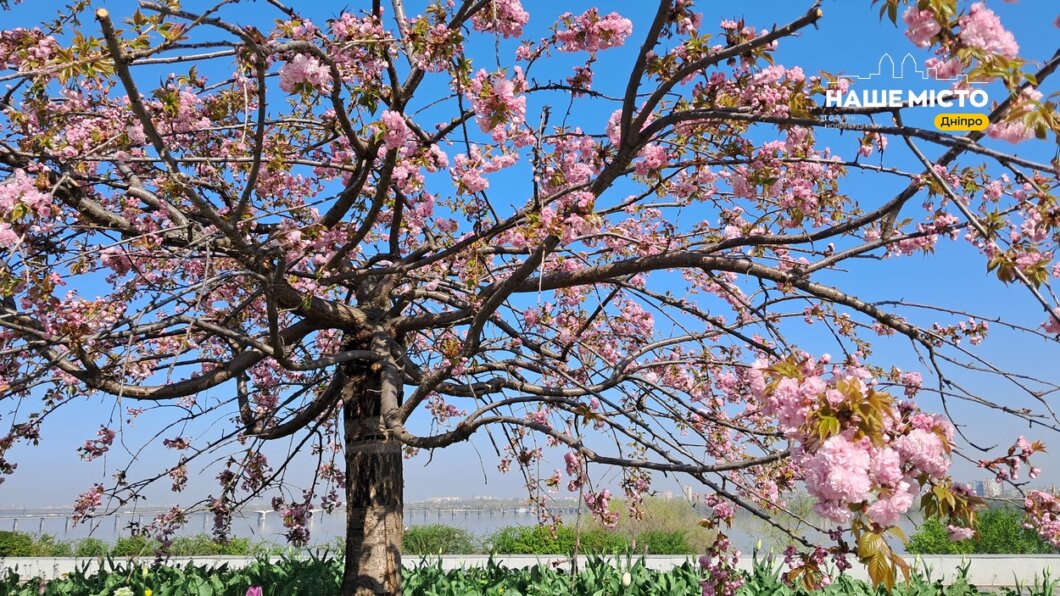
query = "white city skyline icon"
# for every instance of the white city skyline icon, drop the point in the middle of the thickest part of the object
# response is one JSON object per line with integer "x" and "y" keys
{"x": 910, "y": 65}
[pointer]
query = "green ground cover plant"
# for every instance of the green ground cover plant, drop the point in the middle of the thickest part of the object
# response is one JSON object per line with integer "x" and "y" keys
{"x": 321, "y": 576}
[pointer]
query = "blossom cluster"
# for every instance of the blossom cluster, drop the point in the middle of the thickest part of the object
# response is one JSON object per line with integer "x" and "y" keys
{"x": 921, "y": 26}
{"x": 1007, "y": 467}
{"x": 20, "y": 199}
{"x": 861, "y": 453}
{"x": 1014, "y": 127}
{"x": 599, "y": 503}
{"x": 362, "y": 46}
{"x": 1043, "y": 515}
{"x": 304, "y": 72}
{"x": 395, "y": 130}
{"x": 500, "y": 107}
{"x": 982, "y": 29}
{"x": 296, "y": 518}
{"x": 590, "y": 32}
{"x": 22, "y": 48}
{"x": 96, "y": 447}
{"x": 719, "y": 564}
{"x": 506, "y": 17}
{"x": 433, "y": 43}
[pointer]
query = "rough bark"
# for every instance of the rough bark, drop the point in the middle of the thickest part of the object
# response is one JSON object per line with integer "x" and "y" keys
{"x": 374, "y": 491}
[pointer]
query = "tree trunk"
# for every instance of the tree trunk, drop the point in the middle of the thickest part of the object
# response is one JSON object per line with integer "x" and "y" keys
{"x": 374, "y": 492}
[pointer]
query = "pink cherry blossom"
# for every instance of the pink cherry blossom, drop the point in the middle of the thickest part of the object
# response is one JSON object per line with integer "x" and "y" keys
{"x": 887, "y": 509}
{"x": 1043, "y": 511}
{"x": 498, "y": 102}
{"x": 886, "y": 467}
{"x": 589, "y": 32}
{"x": 8, "y": 237}
{"x": 1052, "y": 323}
{"x": 304, "y": 70}
{"x": 944, "y": 69}
{"x": 924, "y": 449}
{"x": 921, "y": 26}
{"x": 957, "y": 533}
{"x": 599, "y": 504}
{"x": 982, "y": 29}
{"x": 506, "y": 17}
{"x": 838, "y": 472}
{"x": 398, "y": 223}
{"x": 1013, "y": 128}
{"x": 396, "y": 130}
{"x": 912, "y": 382}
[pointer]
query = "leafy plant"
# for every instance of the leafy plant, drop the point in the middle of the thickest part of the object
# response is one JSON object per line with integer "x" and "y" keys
{"x": 438, "y": 539}
{"x": 90, "y": 547}
{"x": 543, "y": 540}
{"x": 1000, "y": 531}
{"x": 15, "y": 544}
{"x": 135, "y": 546}
{"x": 46, "y": 545}
{"x": 320, "y": 576}
{"x": 665, "y": 526}
{"x": 663, "y": 542}
{"x": 204, "y": 545}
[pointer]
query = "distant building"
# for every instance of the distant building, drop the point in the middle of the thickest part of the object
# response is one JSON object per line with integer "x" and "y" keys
{"x": 992, "y": 488}
{"x": 980, "y": 488}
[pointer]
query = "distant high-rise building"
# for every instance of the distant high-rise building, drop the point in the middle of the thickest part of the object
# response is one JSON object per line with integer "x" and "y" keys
{"x": 992, "y": 488}
{"x": 980, "y": 488}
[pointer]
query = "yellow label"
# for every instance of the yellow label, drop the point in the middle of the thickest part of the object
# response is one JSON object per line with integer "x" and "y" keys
{"x": 961, "y": 122}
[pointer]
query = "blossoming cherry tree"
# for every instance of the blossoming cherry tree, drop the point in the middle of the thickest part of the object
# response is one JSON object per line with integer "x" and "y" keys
{"x": 620, "y": 241}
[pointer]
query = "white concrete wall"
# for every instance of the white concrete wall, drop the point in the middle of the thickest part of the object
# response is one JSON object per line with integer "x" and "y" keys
{"x": 984, "y": 571}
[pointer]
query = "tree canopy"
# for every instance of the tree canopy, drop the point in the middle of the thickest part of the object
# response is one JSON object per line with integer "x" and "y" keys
{"x": 312, "y": 230}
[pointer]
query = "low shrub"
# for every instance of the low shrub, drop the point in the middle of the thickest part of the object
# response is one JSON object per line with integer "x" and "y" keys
{"x": 16, "y": 544}
{"x": 545, "y": 540}
{"x": 135, "y": 546}
{"x": 46, "y": 545}
{"x": 204, "y": 545}
{"x": 264, "y": 548}
{"x": 90, "y": 547}
{"x": 663, "y": 542}
{"x": 1000, "y": 531}
{"x": 19, "y": 544}
{"x": 438, "y": 539}
{"x": 667, "y": 526}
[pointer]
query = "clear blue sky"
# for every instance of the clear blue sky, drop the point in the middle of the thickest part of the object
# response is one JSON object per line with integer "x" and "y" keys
{"x": 850, "y": 39}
